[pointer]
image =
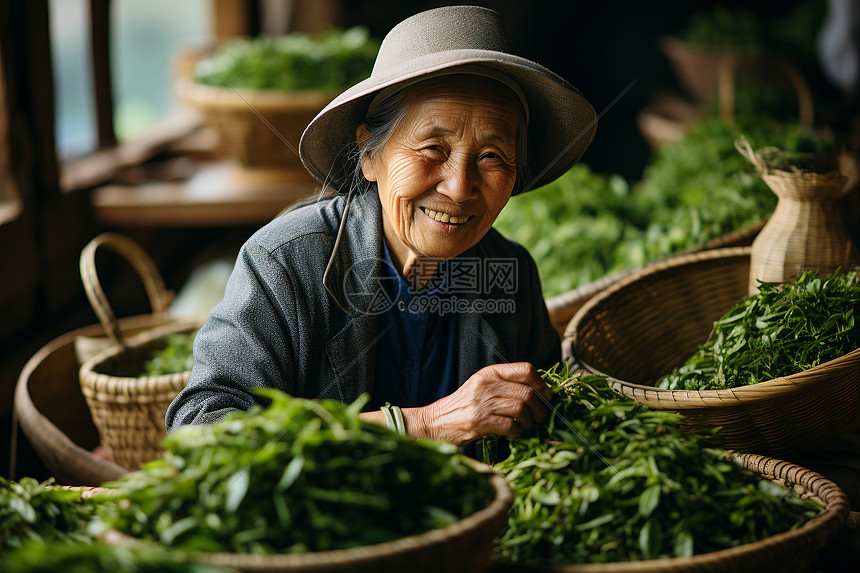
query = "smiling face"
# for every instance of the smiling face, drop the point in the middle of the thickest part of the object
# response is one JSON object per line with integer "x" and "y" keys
{"x": 448, "y": 168}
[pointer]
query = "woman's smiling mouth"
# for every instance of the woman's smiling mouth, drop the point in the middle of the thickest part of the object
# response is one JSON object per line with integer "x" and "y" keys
{"x": 443, "y": 217}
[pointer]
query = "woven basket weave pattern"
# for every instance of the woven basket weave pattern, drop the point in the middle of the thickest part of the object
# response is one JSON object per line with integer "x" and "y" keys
{"x": 129, "y": 409}
{"x": 805, "y": 233}
{"x": 652, "y": 321}
{"x": 258, "y": 128}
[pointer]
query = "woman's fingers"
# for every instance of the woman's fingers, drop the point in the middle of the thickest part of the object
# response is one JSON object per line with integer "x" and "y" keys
{"x": 502, "y": 399}
{"x": 514, "y": 391}
{"x": 522, "y": 373}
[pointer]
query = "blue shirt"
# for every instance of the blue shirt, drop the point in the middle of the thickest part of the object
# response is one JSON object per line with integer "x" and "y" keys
{"x": 417, "y": 354}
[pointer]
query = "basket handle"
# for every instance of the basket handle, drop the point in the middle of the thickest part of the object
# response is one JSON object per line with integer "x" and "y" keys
{"x": 727, "y": 69}
{"x": 159, "y": 296}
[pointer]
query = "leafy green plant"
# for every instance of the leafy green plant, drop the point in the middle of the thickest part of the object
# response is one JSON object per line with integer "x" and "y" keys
{"x": 330, "y": 61}
{"x": 585, "y": 225}
{"x": 781, "y": 330}
{"x": 100, "y": 558}
{"x": 38, "y": 512}
{"x": 606, "y": 479}
{"x": 738, "y": 30}
{"x": 176, "y": 356}
{"x": 297, "y": 476}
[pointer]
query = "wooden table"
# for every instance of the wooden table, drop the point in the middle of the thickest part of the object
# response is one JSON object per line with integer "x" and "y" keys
{"x": 218, "y": 194}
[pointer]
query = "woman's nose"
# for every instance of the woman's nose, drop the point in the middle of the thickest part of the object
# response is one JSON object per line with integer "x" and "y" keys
{"x": 459, "y": 181}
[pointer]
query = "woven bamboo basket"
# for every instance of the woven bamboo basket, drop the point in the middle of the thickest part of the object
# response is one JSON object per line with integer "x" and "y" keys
{"x": 646, "y": 324}
{"x": 706, "y": 74}
{"x": 53, "y": 413}
{"x": 259, "y": 128}
{"x": 464, "y": 546}
{"x": 806, "y": 231}
{"x": 562, "y": 307}
{"x": 794, "y": 550}
{"x": 128, "y": 409}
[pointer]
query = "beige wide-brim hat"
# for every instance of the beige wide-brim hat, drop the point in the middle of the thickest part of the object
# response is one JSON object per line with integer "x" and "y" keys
{"x": 561, "y": 122}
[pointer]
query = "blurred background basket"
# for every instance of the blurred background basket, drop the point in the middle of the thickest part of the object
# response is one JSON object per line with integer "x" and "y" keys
{"x": 794, "y": 550}
{"x": 258, "y": 128}
{"x": 127, "y": 407}
{"x": 653, "y": 320}
{"x": 54, "y": 415}
{"x": 464, "y": 546}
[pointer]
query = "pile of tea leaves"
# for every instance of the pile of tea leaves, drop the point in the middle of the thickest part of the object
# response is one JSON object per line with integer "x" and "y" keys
{"x": 40, "y": 512}
{"x": 296, "y": 476}
{"x": 783, "y": 329}
{"x": 606, "y": 479}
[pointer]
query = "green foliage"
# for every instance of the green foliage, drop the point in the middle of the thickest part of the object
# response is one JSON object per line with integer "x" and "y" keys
{"x": 606, "y": 479}
{"x": 782, "y": 330}
{"x": 585, "y": 225}
{"x": 176, "y": 356}
{"x": 331, "y": 61}
{"x": 739, "y": 30}
{"x": 297, "y": 476}
{"x": 99, "y": 558}
{"x": 34, "y": 512}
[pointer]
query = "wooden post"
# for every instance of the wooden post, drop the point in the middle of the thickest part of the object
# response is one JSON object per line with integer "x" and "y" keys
{"x": 236, "y": 18}
{"x": 102, "y": 84}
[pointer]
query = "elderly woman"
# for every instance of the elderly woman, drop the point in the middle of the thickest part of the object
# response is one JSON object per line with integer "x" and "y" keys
{"x": 394, "y": 283}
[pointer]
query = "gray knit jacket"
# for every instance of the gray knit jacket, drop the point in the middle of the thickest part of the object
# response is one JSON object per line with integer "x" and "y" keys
{"x": 281, "y": 325}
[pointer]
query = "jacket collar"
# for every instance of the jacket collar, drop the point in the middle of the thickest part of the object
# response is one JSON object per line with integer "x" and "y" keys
{"x": 352, "y": 274}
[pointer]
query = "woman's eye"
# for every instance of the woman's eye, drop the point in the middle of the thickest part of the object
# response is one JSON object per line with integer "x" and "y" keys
{"x": 496, "y": 157}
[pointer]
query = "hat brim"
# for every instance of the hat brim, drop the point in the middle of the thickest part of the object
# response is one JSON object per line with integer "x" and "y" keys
{"x": 561, "y": 126}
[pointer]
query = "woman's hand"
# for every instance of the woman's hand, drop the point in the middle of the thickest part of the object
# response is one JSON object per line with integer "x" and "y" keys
{"x": 502, "y": 399}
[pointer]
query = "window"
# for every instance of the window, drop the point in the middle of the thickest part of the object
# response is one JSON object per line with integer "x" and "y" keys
{"x": 75, "y": 124}
{"x": 145, "y": 38}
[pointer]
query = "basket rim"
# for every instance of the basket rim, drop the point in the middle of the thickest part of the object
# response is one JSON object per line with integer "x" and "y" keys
{"x": 496, "y": 509}
{"x": 91, "y": 379}
{"x": 748, "y": 394}
{"x": 244, "y": 99}
{"x": 823, "y": 527}
{"x": 651, "y": 269}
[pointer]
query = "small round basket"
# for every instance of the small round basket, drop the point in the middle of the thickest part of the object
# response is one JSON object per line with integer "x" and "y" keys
{"x": 464, "y": 546}
{"x": 794, "y": 550}
{"x": 128, "y": 409}
{"x": 649, "y": 322}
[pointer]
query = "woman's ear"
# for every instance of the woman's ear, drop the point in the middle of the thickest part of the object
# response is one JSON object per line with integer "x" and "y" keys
{"x": 361, "y": 137}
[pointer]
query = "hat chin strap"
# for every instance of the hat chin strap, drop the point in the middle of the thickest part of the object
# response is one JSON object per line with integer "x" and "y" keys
{"x": 329, "y": 268}
{"x": 467, "y": 69}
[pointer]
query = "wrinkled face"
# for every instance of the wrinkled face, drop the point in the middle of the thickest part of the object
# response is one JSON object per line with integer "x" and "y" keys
{"x": 449, "y": 167}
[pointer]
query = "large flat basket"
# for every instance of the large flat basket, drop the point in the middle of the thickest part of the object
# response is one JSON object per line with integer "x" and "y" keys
{"x": 648, "y": 323}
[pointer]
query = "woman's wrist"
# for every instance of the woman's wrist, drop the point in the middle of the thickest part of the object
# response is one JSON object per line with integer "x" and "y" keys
{"x": 416, "y": 420}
